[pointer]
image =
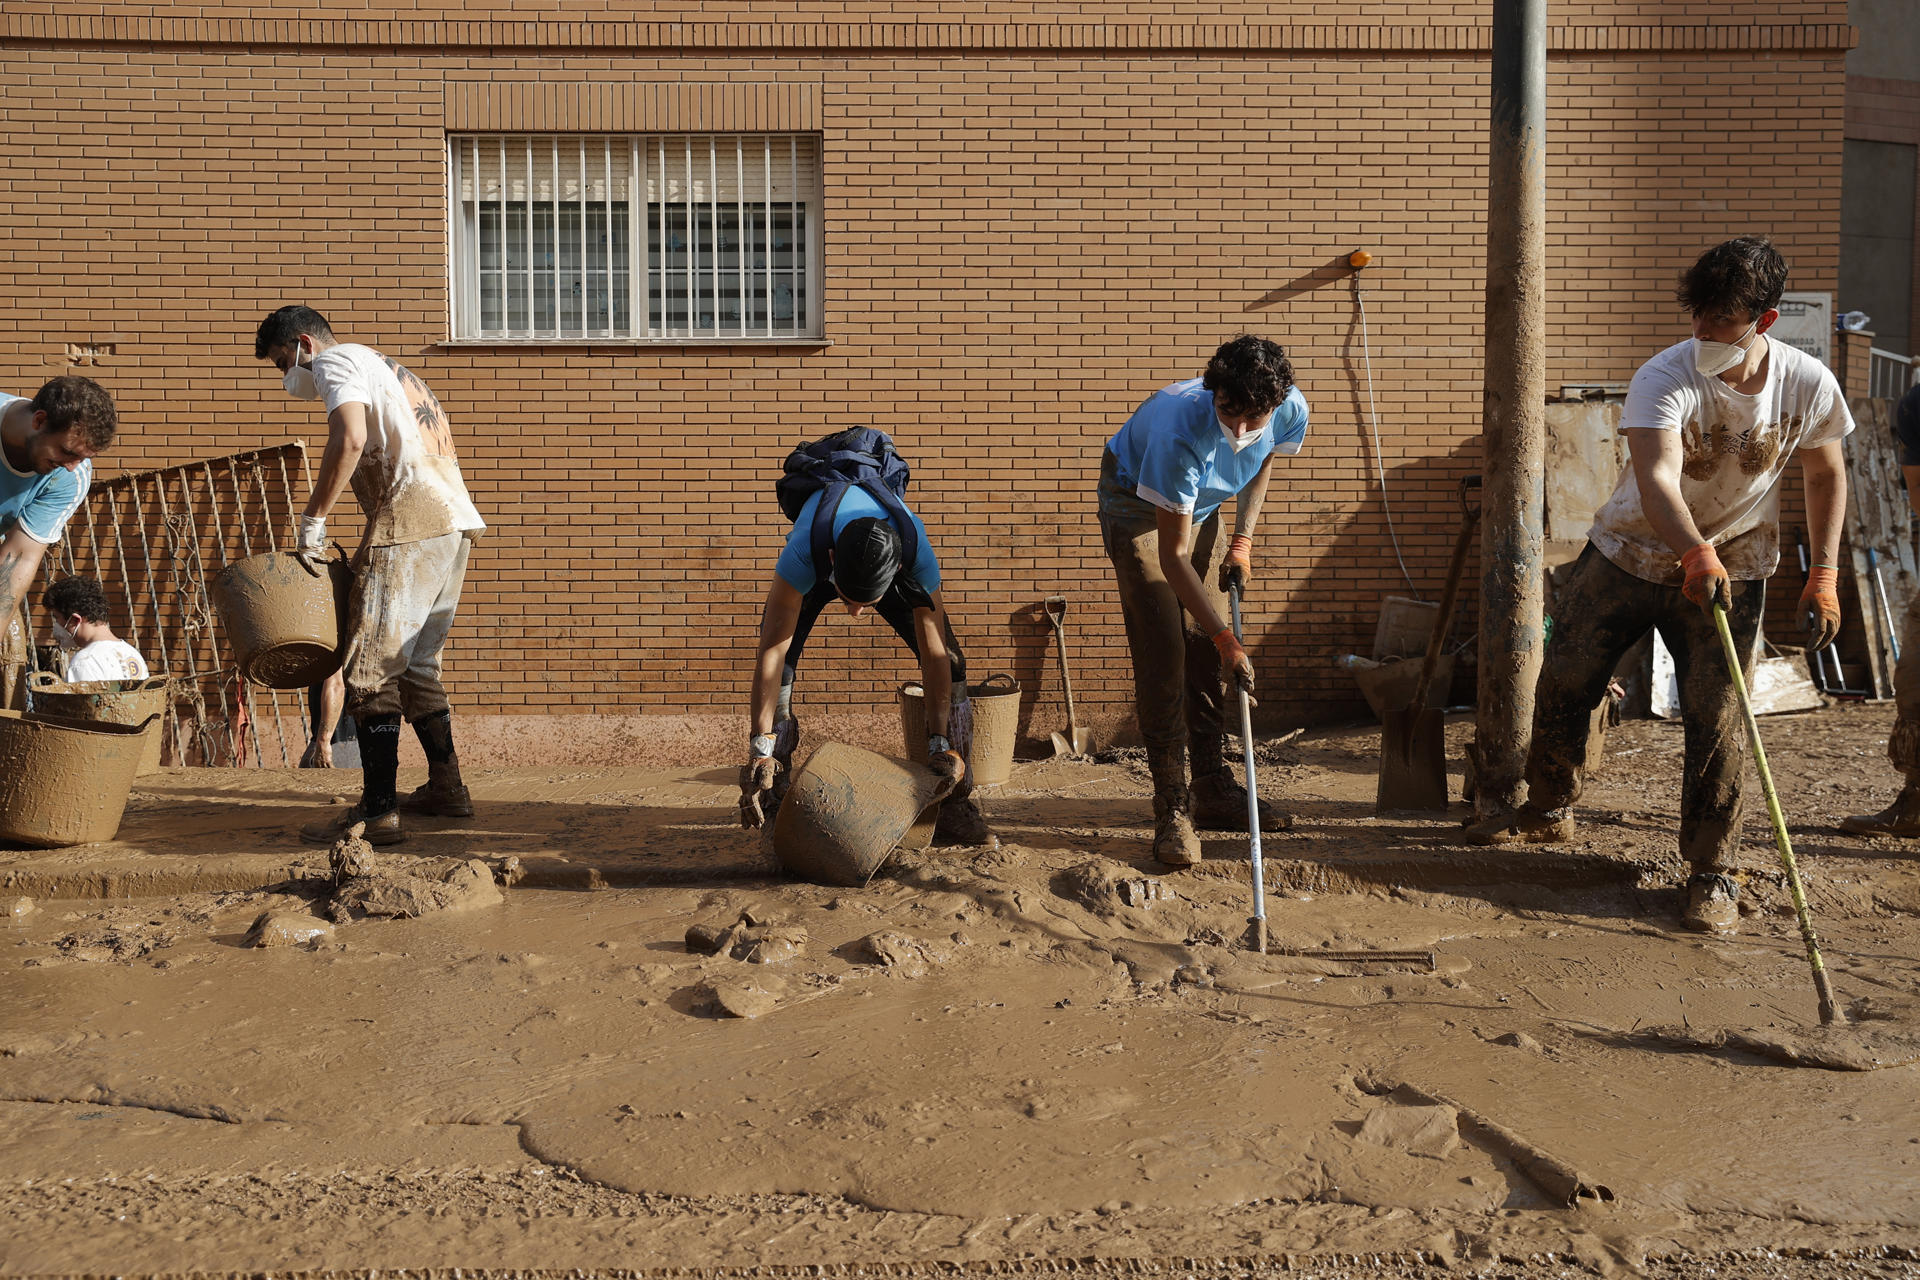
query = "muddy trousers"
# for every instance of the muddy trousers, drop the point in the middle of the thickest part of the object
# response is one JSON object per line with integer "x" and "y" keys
{"x": 896, "y": 608}
{"x": 1176, "y": 670}
{"x": 1601, "y": 613}
{"x": 1903, "y": 744}
{"x": 402, "y": 606}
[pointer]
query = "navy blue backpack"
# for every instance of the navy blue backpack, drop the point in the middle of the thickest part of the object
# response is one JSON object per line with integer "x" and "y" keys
{"x": 859, "y": 456}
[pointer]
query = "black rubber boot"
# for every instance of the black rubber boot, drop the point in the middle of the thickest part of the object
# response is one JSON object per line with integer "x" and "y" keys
{"x": 444, "y": 795}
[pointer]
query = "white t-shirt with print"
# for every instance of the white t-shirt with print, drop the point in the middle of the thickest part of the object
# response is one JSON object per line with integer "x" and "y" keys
{"x": 106, "y": 660}
{"x": 408, "y": 481}
{"x": 1735, "y": 449}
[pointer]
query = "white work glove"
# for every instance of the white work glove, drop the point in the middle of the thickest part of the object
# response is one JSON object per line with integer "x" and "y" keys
{"x": 310, "y": 544}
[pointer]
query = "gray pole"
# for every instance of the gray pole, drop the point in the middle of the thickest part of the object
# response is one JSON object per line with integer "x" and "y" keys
{"x": 1515, "y": 403}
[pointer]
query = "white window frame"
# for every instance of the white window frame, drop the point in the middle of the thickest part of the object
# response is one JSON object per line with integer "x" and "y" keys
{"x": 700, "y": 154}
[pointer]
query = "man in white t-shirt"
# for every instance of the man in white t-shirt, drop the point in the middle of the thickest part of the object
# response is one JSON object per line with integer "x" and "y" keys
{"x": 388, "y": 437}
{"x": 1694, "y": 520}
{"x": 46, "y": 449}
{"x": 78, "y": 609}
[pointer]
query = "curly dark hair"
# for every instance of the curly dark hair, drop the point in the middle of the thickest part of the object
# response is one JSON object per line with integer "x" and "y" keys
{"x": 84, "y": 596}
{"x": 1740, "y": 279}
{"x": 286, "y": 324}
{"x": 1248, "y": 376}
{"x": 74, "y": 403}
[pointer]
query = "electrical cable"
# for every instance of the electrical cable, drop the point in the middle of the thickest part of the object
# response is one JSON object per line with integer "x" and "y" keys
{"x": 1379, "y": 459}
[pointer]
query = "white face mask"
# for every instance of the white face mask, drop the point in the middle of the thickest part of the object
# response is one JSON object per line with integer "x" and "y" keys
{"x": 1246, "y": 441}
{"x": 63, "y": 637}
{"x": 1714, "y": 358}
{"x": 299, "y": 380}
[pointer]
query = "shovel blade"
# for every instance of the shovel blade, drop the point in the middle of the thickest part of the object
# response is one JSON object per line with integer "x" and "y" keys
{"x": 1413, "y": 762}
{"x": 1061, "y": 747}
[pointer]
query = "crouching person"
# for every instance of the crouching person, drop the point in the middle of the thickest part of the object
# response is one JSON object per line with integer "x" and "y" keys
{"x": 388, "y": 437}
{"x": 1164, "y": 478}
{"x": 855, "y": 541}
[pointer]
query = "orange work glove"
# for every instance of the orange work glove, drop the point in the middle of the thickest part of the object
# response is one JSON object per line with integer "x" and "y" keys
{"x": 1821, "y": 600}
{"x": 1707, "y": 579}
{"x": 1233, "y": 658}
{"x": 1237, "y": 570}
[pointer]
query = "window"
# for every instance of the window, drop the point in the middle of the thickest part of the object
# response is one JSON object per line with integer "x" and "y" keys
{"x": 586, "y": 237}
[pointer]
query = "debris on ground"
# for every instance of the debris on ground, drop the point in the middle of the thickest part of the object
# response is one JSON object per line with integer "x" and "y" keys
{"x": 752, "y": 938}
{"x": 14, "y": 908}
{"x": 288, "y": 928}
{"x": 1103, "y": 886}
{"x": 738, "y": 998}
{"x": 367, "y": 884}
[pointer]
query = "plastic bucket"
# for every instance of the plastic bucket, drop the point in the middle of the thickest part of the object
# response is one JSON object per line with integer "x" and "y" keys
{"x": 996, "y": 725}
{"x": 66, "y": 781}
{"x": 115, "y": 701}
{"x": 847, "y": 810}
{"x": 287, "y": 625}
{"x": 1390, "y": 686}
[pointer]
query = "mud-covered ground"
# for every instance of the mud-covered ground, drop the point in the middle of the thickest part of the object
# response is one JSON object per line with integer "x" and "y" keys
{"x": 1048, "y": 1057}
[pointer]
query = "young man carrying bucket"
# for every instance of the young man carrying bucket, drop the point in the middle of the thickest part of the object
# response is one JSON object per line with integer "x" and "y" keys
{"x": 1164, "y": 478}
{"x": 1711, "y": 424}
{"x": 854, "y": 540}
{"x": 388, "y": 437}
{"x": 46, "y": 449}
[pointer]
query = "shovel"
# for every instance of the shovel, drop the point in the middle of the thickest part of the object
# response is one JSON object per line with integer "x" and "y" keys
{"x": 1413, "y": 750}
{"x": 1076, "y": 740}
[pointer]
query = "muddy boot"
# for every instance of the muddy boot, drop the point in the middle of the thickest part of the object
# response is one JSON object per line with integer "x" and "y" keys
{"x": 961, "y": 825}
{"x": 1526, "y": 825}
{"x": 1174, "y": 842}
{"x": 1713, "y": 904}
{"x": 382, "y": 829}
{"x": 1901, "y": 818}
{"x": 1220, "y": 804}
{"x": 444, "y": 795}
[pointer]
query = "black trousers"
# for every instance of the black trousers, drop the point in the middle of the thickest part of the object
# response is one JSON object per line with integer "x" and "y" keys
{"x": 1601, "y": 613}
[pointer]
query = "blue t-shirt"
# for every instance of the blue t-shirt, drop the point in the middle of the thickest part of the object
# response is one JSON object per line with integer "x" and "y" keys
{"x": 795, "y": 565}
{"x": 40, "y": 505}
{"x": 1174, "y": 453}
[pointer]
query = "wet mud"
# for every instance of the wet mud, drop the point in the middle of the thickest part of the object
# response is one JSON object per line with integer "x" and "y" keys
{"x": 1050, "y": 1053}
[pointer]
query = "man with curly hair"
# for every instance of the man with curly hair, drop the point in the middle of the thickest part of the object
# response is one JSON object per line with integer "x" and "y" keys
{"x": 1163, "y": 480}
{"x": 1694, "y": 521}
{"x": 388, "y": 437}
{"x": 47, "y": 445}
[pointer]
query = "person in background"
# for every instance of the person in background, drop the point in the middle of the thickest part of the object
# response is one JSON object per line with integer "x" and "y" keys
{"x": 78, "y": 609}
{"x": 47, "y": 445}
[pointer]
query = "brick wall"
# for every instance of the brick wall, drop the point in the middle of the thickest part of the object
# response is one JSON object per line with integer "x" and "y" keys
{"x": 1027, "y": 231}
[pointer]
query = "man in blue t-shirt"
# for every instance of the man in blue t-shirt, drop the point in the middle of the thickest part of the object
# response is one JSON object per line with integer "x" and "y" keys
{"x": 865, "y": 575}
{"x": 46, "y": 445}
{"x": 1181, "y": 455}
{"x": 1902, "y": 817}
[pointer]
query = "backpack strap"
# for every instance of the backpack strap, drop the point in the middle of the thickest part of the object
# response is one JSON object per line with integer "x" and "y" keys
{"x": 820, "y": 534}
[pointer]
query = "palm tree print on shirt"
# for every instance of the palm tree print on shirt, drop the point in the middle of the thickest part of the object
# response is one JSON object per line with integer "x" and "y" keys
{"x": 435, "y": 431}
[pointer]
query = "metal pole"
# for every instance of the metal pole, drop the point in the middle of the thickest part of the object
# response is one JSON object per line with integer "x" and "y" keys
{"x": 1514, "y": 457}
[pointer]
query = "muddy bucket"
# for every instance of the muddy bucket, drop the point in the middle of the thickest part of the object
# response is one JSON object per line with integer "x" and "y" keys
{"x": 996, "y": 723}
{"x": 847, "y": 810}
{"x": 287, "y": 625}
{"x": 1389, "y": 686}
{"x": 66, "y": 781}
{"x": 116, "y": 701}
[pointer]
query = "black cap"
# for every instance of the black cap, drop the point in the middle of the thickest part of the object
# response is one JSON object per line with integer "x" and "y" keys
{"x": 866, "y": 556}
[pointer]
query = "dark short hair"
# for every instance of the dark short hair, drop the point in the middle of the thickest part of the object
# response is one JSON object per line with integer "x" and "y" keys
{"x": 74, "y": 403}
{"x": 1249, "y": 375}
{"x": 866, "y": 556}
{"x": 84, "y": 596}
{"x": 283, "y": 326}
{"x": 1740, "y": 278}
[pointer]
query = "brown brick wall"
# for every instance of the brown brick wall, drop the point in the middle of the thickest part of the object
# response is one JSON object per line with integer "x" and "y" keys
{"x": 1019, "y": 247}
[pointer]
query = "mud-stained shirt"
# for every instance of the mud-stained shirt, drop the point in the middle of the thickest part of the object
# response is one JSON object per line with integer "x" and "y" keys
{"x": 408, "y": 481}
{"x": 1735, "y": 448}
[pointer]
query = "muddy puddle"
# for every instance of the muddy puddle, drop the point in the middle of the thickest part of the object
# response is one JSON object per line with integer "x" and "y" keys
{"x": 1049, "y": 1051}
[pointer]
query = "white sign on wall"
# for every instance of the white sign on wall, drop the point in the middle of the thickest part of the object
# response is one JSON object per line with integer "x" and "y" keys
{"x": 1806, "y": 322}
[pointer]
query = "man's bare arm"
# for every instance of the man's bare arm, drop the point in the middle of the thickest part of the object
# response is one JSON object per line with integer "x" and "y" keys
{"x": 20, "y": 557}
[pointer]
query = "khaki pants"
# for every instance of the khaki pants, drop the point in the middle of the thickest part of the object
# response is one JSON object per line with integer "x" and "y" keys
{"x": 1176, "y": 670}
{"x": 400, "y": 610}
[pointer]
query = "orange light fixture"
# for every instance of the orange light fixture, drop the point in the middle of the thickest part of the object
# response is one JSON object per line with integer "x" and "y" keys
{"x": 1359, "y": 258}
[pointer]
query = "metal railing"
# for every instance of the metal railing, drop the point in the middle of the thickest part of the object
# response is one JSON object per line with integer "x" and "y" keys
{"x": 1889, "y": 376}
{"x": 155, "y": 539}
